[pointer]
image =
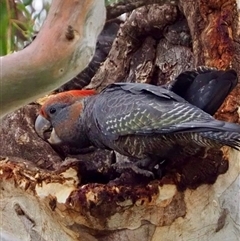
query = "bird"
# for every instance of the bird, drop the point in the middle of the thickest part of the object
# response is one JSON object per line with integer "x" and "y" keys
{"x": 145, "y": 122}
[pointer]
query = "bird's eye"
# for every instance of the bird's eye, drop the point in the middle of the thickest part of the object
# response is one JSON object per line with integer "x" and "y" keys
{"x": 52, "y": 110}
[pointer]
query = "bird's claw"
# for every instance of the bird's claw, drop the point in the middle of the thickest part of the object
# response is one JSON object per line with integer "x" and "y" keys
{"x": 121, "y": 167}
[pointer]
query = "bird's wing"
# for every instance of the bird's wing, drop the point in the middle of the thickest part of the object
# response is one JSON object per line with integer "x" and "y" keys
{"x": 125, "y": 109}
{"x": 140, "y": 88}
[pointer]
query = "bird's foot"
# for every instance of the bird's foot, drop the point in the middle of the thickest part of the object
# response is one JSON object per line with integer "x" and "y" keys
{"x": 121, "y": 167}
{"x": 154, "y": 165}
{"x": 129, "y": 178}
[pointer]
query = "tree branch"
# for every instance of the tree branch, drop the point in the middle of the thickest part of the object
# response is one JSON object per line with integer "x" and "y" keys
{"x": 124, "y": 6}
{"x": 63, "y": 48}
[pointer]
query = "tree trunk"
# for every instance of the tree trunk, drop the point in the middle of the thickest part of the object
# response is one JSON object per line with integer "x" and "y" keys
{"x": 48, "y": 194}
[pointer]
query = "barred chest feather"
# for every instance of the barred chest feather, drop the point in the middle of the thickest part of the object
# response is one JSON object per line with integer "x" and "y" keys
{"x": 162, "y": 145}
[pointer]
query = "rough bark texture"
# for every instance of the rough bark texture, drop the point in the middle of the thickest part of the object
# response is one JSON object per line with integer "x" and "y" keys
{"x": 125, "y": 6}
{"x": 152, "y": 18}
{"x": 215, "y": 39}
{"x": 57, "y": 195}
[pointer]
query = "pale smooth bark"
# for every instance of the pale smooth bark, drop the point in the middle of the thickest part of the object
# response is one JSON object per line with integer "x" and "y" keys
{"x": 63, "y": 47}
{"x": 52, "y": 207}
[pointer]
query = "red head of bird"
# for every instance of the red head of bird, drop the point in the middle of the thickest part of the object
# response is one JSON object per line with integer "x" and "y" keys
{"x": 61, "y": 113}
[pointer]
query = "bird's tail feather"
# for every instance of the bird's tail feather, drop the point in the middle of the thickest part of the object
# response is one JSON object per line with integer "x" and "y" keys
{"x": 231, "y": 139}
{"x": 220, "y": 132}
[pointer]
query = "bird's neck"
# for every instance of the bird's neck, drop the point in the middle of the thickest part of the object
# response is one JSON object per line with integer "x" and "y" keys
{"x": 89, "y": 120}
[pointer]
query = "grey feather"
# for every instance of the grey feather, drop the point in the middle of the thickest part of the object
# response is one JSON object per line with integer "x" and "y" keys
{"x": 139, "y": 113}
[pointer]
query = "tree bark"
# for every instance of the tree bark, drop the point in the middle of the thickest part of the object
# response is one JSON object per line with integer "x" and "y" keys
{"x": 124, "y": 6}
{"x": 51, "y": 195}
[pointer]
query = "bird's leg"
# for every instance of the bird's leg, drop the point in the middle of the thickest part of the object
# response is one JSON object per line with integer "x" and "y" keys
{"x": 85, "y": 150}
{"x": 150, "y": 162}
{"x": 120, "y": 168}
{"x": 154, "y": 164}
{"x": 124, "y": 163}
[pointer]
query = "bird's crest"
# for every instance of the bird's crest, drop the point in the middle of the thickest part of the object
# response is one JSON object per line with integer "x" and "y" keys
{"x": 67, "y": 97}
{"x": 81, "y": 93}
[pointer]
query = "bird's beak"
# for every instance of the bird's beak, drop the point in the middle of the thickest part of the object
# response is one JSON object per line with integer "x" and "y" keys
{"x": 42, "y": 126}
{"x": 54, "y": 139}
